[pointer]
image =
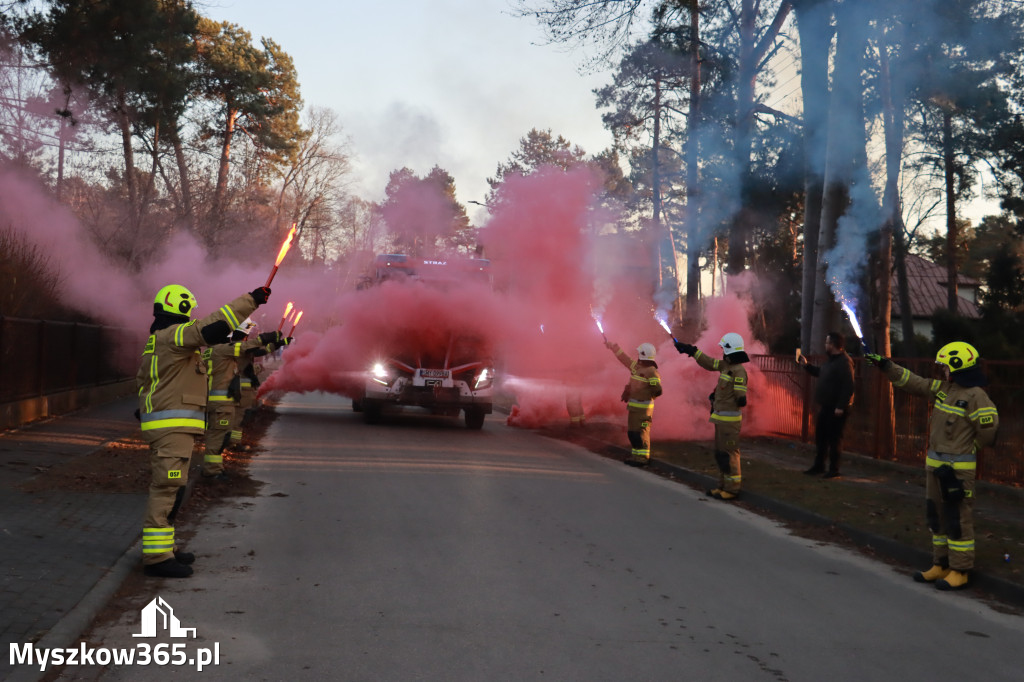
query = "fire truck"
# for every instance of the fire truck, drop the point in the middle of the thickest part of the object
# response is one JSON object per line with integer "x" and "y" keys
{"x": 447, "y": 376}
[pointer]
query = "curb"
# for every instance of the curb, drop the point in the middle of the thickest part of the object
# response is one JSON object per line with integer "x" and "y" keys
{"x": 69, "y": 629}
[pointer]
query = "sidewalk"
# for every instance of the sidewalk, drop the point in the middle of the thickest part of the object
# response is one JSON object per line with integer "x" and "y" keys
{"x": 58, "y": 546}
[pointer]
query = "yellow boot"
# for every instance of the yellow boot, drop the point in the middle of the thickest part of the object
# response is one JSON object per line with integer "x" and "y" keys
{"x": 934, "y": 573}
{"x": 954, "y": 580}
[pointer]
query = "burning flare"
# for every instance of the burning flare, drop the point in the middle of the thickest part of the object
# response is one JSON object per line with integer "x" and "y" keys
{"x": 284, "y": 318}
{"x": 282, "y": 253}
{"x": 664, "y": 325}
{"x": 298, "y": 316}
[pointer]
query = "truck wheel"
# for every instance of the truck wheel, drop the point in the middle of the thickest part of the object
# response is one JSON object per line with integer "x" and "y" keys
{"x": 475, "y": 418}
{"x": 371, "y": 413}
{"x": 357, "y": 405}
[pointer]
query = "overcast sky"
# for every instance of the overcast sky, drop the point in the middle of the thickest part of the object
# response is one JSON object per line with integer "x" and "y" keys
{"x": 454, "y": 83}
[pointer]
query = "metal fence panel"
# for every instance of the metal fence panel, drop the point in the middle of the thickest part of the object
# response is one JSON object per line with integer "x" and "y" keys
{"x": 899, "y": 433}
{"x": 41, "y": 357}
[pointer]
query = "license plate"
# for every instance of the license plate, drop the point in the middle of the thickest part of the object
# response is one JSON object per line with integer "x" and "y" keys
{"x": 434, "y": 373}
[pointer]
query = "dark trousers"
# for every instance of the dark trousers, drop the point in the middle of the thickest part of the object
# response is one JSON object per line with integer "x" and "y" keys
{"x": 828, "y": 436}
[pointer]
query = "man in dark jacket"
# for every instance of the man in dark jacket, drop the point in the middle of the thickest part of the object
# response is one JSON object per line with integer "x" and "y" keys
{"x": 833, "y": 394}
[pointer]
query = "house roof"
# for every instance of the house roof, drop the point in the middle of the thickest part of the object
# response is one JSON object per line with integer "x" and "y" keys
{"x": 927, "y": 282}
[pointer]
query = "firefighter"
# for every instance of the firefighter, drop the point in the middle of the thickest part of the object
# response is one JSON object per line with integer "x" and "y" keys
{"x": 639, "y": 394}
{"x": 224, "y": 392}
{"x": 248, "y": 383}
{"x": 729, "y": 396}
{"x": 964, "y": 419}
{"x": 172, "y": 388}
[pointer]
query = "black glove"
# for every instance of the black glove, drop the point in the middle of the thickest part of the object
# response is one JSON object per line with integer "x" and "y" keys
{"x": 878, "y": 361}
{"x": 138, "y": 415}
{"x": 260, "y": 295}
{"x": 270, "y": 337}
{"x": 235, "y": 388}
{"x": 687, "y": 348}
{"x": 250, "y": 372}
{"x": 288, "y": 340}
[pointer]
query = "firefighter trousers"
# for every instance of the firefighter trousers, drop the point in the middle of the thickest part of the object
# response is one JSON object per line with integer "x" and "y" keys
{"x": 951, "y": 521}
{"x": 220, "y": 421}
{"x": 727, "y": 456}
{"x": 638, "y": 430}
{"x": 170, "y": 455}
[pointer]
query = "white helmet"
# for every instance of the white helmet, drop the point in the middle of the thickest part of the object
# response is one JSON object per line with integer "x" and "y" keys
{"x": 731, "y": 343}
{"x": 646, "y": 351}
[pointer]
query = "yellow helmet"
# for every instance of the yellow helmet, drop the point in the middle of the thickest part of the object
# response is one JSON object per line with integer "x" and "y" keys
{"x": 174, "y": 299}
{"x": 957, "y": 356}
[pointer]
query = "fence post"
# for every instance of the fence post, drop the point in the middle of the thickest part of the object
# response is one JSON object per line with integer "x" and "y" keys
{"x": 41, "y": 360}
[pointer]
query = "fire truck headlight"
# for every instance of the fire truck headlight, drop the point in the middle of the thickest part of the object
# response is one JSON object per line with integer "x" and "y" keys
{"x": 380, "y": 374}
{"x": 484, "y": 379}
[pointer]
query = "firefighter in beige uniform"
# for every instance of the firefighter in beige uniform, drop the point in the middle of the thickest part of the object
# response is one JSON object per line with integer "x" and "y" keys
{"x": 248, "y": 383}
{"x": 639, "y": 394}
{"x": 729, "y": 396}
{"x": 964, "y": 419}
{"x": 223, "y": 401}
{"x": 172, "y": 396}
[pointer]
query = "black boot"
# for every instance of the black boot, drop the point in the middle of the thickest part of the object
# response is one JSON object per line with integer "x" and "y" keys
{"x": 183, "y": 557}
{"x": 168, "y": 569}
{"x": 816, "y": 469}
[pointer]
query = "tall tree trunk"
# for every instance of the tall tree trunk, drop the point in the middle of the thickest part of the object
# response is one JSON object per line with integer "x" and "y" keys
{"x": 952, "y": 231}
{"x": 903, "y": 288}
{"x": 814, "y": 23}
{"x": 739, "y": 227}
{"x": 893, "y": 105}
{"x": 656, "y": 184}
{"x": 185, "y": 181}
{"x": 846, "y": 150}
{"x": 694, "y": 235}
{"x": 125, "y": 127}
{"x": 217, "y": 206}
{"x": 752, "y": 53}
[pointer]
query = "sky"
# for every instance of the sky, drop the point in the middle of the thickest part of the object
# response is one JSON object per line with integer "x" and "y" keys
{"x": 454, "y": 83}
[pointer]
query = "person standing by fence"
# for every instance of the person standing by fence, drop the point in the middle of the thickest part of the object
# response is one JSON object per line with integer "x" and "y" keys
{"x": 833, "y": 395}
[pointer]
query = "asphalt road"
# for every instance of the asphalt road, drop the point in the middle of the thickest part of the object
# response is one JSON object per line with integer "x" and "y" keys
{"x": 420, "y": 550}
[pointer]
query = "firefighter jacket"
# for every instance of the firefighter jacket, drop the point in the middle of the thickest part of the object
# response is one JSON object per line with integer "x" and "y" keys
{"x": 644, "y": 383}
{"x": 963, "y": 419}
{"x": 730, "y": 391}
{"x": 171, "y": 380}
{"x": 222, "y": 366}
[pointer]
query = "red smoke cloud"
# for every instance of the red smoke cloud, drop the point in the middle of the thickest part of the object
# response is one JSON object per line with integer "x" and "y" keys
{"x": 551, "y": 270}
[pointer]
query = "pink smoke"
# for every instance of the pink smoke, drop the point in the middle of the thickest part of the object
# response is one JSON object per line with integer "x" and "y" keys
{"x": 554, "y": 269}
